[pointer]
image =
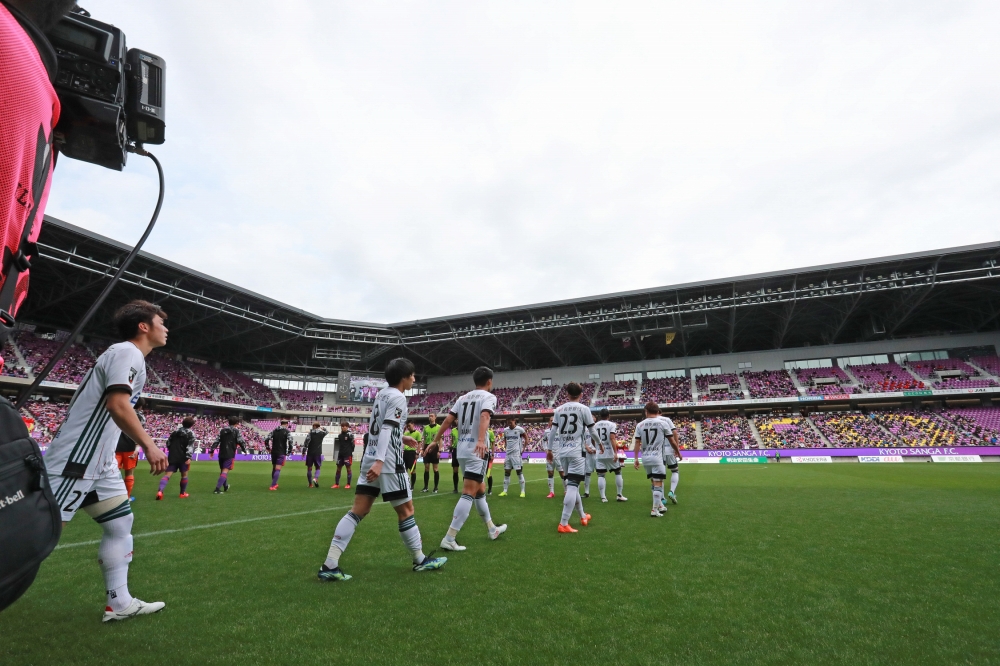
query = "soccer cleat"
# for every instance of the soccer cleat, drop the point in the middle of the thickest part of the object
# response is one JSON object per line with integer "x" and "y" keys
{"x": 184, "y": 495}
{"x": 331, "y": 575}
{"x": 621, "y": 498}
{"x": 672, "y": 497}
{"x": 336, "y": 485}
{"x": 586, "y": 495}
{"x": 430, "y": 563}
{"x": 503, "y": 494}
{"x": 218, "y": 491}
{"x": 566, "y": 529}
{"x": 655, "y": 514}
{"x": 347, "y": 487}
{"x": 550, "y": 496}
{"x": 131, "y": 499}
{"x": 226, "y": 487}
{"x": 495, "y": 534}
{"x": 159, "y": 495}
{"x": 435, "y": 490}
{"x": 273, "y": 488}
{"x": 523, "y": 495}
{"x": 604, "y": 500}
{"x": 585, "y": 520}
{"x": 135, "y": 608}
{"x": 451, "y": 545}
{"x": 424, "y": 490}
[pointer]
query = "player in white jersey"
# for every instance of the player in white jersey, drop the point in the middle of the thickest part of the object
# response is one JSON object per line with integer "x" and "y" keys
{"x": 572, "y": 432}
{"x": 670, "y": 462}
{"x": 383, "y": 472}
{"x": 515, "y": 441}
{"x": 651, "y": 436}
{"x": 607, "y": 455}
{"x": 551, "y": 463}
{"x": 81, "y": 463}
{"x": 472, "y": 413}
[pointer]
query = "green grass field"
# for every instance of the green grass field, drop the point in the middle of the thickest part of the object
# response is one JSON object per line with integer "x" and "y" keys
{"x": 810, "y": 564}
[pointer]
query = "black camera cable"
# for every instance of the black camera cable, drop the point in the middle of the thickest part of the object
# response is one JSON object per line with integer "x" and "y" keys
{"x": 40, "y": 377}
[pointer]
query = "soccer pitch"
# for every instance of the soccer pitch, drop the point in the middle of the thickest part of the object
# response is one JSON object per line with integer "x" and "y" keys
{"x": 841, "y": 563}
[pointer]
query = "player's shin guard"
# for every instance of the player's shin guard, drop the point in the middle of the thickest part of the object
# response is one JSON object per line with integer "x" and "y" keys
{"x": 579, "y": 501}
{"x": 461, "y": 514}
{"x": 163, "y": 483}
{"x": 619, "y": 482}
{"x": 410, "y": 534}
{"x": 674, "y": 478}
{"x": 569, "y": 502}
{"x": 115, "y": 553}
{"x": 506, "y": 480}
{"x": 316, "y": 477}
{"x": 552, "y": 484}
{"x": 274, "y": 477}
{"x": 437, "y": 477}
{"x": 586, "y": 484}
{"x": 336, "y": 476}
{"x": 341, "y": 537}
{"x": 520, "y": 479}
{"x": 184, "y": 485}
{"x": 602, "y": 484}
{"x": 484, "y": 511}
{"x": 657, "y": 497}
{"x": 222, "y": 479}
{"x": 129, "y": 482}
{"x": 489, "y": 484}
{"x": 427, "y": 478}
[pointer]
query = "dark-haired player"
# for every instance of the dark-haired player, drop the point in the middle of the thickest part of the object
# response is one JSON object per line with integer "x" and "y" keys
{"x": 277, "y": 443}
{"x": 382, "y": 472}
{"x": 515, "y": 440}
{"x": 80, "y": 461}
{"x": 345, "y": 454}
{"x": 607, "y": 455}
{"x": 472, "y": 413}
{"x": 180, "y": 451}
{"x": 431, "y": 451}
{"x": 551, "y": 464}
{"x": 227, "y": 442}
{"x": 312, "y": 448}
{"x": 126, "y": 454}
{"x": 572, "y": 432}
{"x": 651, "y": 435}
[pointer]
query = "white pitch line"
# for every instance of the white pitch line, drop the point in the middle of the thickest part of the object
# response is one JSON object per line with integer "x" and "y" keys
{"x": 243, "y": 520}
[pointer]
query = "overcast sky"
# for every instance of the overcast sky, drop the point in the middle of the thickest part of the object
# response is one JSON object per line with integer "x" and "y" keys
{"x": 394, "y": 161}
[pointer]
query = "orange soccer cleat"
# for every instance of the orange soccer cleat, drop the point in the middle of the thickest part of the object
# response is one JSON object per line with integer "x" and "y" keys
{"x": 550, "y": 496}
{"x": 159, "y": 495}
{"x": 566, "y": 529}
{"x": 336, "y": 485}
{"x": 274, "y": 487}
{"x": 183, "y": 495}
{"x": 347, "y": 487}
{"x": 585, "y": 520}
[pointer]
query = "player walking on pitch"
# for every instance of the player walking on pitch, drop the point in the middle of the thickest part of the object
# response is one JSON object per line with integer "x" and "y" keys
{"x": 80, "y": 461}
{"x": 651, "y": 435}
{"x": 670, "y": 462}
{"x": 431, "y": 451}
{"x": 472, "y": 413}
{"x": 514, "y": 441}
{"x": 345, "y": 454}
{"x": 607, "y": 456}
{"x": 572, "y": 431}
{"x": 313, "y": 450}
{"x": 180, "y": 450}
{"x": 277, "y": 444}
{"x": 551, "y": 464}
{"x": 227, "y": 442}
{"x": 382, "y": 472}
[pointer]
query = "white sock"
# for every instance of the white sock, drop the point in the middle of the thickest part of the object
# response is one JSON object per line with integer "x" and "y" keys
{"x": 569, "y": 501}
{"x": 564, "y": 483}
{"x": 506, "y": 482}
{"x": 341, "y": 537}
{"x": 484, "y": 512}
{"x": 657, "y": 497}
{"x": 410, "y": 534}
{"x": 586, "y": 484}
{"x": 114, "y": 554}
{"x": 674, "y": 478}
{"x": 520, "y": 479}
{"x": 461, "y": 514}
{"x": 619, "y": 483}
{"x": 552, "y": 485}
{"x": 601, "y": 485}
{"x": 579, "y": 502}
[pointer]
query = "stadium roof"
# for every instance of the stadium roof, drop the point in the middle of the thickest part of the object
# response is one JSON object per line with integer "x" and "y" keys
{"x": 953, "y": 290}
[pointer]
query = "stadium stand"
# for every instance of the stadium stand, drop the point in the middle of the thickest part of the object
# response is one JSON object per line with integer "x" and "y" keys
{"x": 687, "y": 436}
{"x": 851, "y": 429}
{"x": 257, "y": 392}
{"x": 787, "y": 432}
{"x": 812, "y": 379}
{"x": 730, "y": 381}
{"x": 12, "y": 366}
{"x": 980, "y": 423}
{"x": 990, "y": 364}
{"x": 432, "y": 403}
{"x": 307, "y": 401}
{"x": 506, "y": 397}
{"x": 48, "y": 417}
{"x": 538, "y": 397}
{"x": 928, "y": 369}
{"x": 673, "y": 389}
{"x": 918, "y": 429}
{"x": 770, "y": 384}
{"x": 727, "y": 432}
{"x": 177, "y": 377}
{"x": 885, "y": 378}
{"x": 38, "y": 349}
{"x": 221, "y": 385}
{"x": 586, "y": 397}
{"x": 627, "y": 397}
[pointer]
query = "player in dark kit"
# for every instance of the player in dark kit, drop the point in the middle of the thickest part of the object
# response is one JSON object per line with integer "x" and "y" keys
{"x": 410, "y": 453}
{"x": 345, "y": 454}
{"x": 454, "y": 458}
{"x": 277, "y": 443}
{"x": 180, "y": 451}
{"x": 227, "y": 442}
{"x": 430, "y": 452}
{"x": 313, "y": 450}
{"x": 125, "y": 452}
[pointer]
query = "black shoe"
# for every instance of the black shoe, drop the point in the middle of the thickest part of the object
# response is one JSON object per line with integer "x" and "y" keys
{"x": 424, "y": 490}
{"x": 226, "y": 487}
{"x": 586, "y": 495}
{"x": 218, "y": 492}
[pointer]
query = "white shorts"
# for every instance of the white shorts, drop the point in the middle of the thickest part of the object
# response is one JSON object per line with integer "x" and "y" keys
{"x": 591, "y": 463}
{"x": 553, "y": 466}
{"x": 670, "y": 461}
{"x": 655, "y": 469}
{"x": 575, "y": 467}
{"x": 393, "y": 485}
{"x": 512, "y": 462}
{"x": 472, "y": 468}
{"x": 608, "y": 465}
{"x": 71, "y": 494}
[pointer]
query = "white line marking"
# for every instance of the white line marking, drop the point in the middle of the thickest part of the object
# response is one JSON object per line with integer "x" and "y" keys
{"x": 245, "y": 520}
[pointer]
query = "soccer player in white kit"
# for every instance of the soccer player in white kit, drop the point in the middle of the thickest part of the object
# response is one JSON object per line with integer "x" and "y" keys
{"x": 515, "y": 440}
{"x": 383, "y": 472}
{"x": 551, "y": 464}
{"x": 651, "y": 435}
{"x": 607, "y": 455}
{"x": 572, "y": 431}
{"x": 670, "y": 461}
{"x": 472, "y": 413}
{"x": 80, "y": 461}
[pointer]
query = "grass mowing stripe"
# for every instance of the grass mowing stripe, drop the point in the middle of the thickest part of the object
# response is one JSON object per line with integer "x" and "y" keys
{"x": 239, "y": 521}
